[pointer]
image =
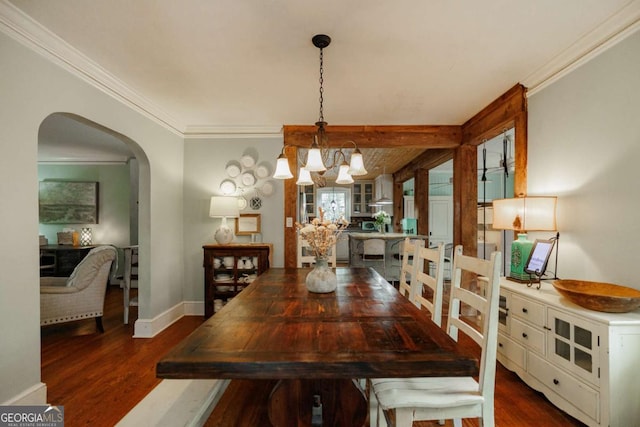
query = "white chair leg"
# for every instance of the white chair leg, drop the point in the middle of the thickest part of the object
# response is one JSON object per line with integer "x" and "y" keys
{"x": 457, "y": 422}
{"x": 382, "y": 420}
{"x": 404, "y": 417}
{"x": 373, "y": 408}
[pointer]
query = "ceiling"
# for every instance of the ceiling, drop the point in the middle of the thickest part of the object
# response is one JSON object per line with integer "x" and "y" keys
{"x": 209, "y": 68}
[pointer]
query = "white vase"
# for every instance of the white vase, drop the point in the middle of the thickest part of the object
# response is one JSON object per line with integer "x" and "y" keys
{"x": 322, "y": 279}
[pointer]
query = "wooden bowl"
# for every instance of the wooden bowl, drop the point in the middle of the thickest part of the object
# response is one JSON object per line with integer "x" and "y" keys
{"x": 599, "y": 296}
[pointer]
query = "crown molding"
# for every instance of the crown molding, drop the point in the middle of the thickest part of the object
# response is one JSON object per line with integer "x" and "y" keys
{"x": 33, "y": 35}
{"x": 618, "y": 27}
{"x": 26, "y": 30}
{"x": 232, "y": 132}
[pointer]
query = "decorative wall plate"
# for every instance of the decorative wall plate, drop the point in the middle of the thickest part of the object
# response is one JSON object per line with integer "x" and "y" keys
{"x": 242, "y": 203}
{"x": 233, "y": 169}
{"x": 267, "y": 188}
{"x": 248, "y": 179}
{"x": 262, "y": 171}
{"x": 247, "y": 161}
{"x": 227, "y": 187}
{"x": 255, "y": 203}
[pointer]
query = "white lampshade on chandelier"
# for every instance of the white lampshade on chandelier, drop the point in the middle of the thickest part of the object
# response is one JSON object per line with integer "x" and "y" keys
{"x": 224, "y": 207}
{"x": 320, "y": 157}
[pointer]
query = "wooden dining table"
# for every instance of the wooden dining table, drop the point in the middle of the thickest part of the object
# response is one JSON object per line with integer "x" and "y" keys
{"x": 317, "y": 345}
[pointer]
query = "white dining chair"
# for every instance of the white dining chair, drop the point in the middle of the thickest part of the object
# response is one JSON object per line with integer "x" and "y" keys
{"x": 407, "y": 272}
{"x": 435, "y": 398}
{"x": 129, "y": 276}
{"x": 306, "y": 258}
{"x": 432, "y": 299}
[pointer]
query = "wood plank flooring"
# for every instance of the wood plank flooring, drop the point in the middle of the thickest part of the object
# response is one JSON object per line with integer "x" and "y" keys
{"x": 98, "y": 378}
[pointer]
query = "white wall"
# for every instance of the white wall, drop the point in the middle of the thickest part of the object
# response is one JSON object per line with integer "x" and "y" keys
{"x": 204, "y": 169}
{"x": 32, "y": 88}
{"x": 584, "y": 146}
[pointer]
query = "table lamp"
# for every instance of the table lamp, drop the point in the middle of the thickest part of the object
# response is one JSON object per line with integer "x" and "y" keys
{"x": 524, "y": 214}
{"x": 224, "y": 207}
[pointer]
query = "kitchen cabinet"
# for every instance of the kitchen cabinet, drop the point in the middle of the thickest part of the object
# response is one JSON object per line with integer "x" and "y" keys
{"x": 228, "y": 269}
{"x": 308, "y": 200}
{"x": 583, "y": 361}
{"x": 361, "y": 196}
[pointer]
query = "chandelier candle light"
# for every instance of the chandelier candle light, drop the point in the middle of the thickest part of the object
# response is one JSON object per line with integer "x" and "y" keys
{"x": 322, "y": 235}
{"x": 319, "y": 154}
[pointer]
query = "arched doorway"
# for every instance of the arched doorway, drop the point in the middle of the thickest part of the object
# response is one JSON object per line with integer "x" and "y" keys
{"x": 73, "y": 148}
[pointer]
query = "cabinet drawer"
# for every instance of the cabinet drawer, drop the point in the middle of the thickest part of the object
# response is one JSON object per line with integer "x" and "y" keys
{"x": 528, "y": 335}
{"x": 512, "y": 351}
{"x": 578, "y": 394}
{"x": 526, "y": 309}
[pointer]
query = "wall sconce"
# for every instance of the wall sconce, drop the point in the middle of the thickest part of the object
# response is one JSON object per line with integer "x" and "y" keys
{"x": 85, "y": 237}
{"x": 524, "y": 214}
{"x": 224, "y": 207}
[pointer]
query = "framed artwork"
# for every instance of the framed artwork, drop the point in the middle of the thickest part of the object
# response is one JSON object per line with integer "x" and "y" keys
{"x": 247, "y": 224}
{"x": 68, "y": 202}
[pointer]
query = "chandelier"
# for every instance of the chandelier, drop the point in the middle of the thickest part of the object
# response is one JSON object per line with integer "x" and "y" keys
{"x": 320, "y": 157}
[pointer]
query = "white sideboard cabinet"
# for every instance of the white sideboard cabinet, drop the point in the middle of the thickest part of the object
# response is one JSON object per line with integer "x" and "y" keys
{"x": 585, "y": 362}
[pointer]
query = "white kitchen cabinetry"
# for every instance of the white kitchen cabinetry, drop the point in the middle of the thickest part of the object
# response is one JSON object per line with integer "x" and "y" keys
{"x": 583, "y": 361}
{"x": 362, "y": 196}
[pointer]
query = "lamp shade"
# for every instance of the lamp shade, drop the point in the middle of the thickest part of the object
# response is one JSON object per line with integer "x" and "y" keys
{"x": 525, "y": 213}
{"x": 356, "y": 164}
{"x": 223, "y": 207}
{"x": 282, "y": 168}
{"x": 343, "y": 175}
{"x": 304, "y": 177}
{"x": 314, "y": 160}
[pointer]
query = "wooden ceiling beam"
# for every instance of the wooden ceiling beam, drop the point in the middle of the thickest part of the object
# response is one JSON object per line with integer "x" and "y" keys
{"x": 427, "y": 160}
{"x": 388, "y": 136}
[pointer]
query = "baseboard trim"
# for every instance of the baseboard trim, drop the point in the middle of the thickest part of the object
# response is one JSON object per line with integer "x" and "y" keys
{"x": 148, "y": 328}
{"x": 34, "y": 395}
{"x": 177, "y": 403}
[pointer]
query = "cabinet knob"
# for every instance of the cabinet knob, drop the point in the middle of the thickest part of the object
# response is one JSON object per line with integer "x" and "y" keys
{"x": 499, "y": 344}
{"x": 556, "y": 382}
{"x": 524, "y": 310}
{"x": 524, "y": 335}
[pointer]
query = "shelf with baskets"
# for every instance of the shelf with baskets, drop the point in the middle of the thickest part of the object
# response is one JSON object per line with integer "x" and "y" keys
{"x": 228, "y": 269}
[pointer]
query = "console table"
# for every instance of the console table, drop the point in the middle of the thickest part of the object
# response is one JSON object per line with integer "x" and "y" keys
{"x": 60, "y": 260}
{"x": 585, "y": 362}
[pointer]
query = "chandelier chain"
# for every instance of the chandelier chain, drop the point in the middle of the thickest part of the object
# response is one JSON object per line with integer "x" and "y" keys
{"x": 321, "y": 119}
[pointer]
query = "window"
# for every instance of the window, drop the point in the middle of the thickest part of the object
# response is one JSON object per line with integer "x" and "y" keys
{"x": 335, "y": 202}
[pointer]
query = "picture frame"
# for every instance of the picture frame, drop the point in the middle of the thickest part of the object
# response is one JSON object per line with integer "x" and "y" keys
{"x": 247, "y": 224}
{"x": 539, "y": 257}
{"x": 68, "y": 202}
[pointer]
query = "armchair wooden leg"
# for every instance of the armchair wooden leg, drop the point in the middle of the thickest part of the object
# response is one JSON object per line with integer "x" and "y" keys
{"x": 99, "y": 324}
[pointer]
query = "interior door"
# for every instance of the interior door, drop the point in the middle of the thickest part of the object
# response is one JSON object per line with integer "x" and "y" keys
{"x": 440, "y": 220}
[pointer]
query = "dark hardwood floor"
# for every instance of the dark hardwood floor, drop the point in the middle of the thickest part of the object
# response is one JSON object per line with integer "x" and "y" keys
{"x": 98, "y": 378}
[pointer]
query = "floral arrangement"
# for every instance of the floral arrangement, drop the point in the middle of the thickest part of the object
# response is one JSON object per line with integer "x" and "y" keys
{"x": 381, "y": 218}
{"x": 322, "y": 234}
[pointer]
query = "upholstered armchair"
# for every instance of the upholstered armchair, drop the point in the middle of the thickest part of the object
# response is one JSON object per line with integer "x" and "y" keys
{"x": 81, "y": 295}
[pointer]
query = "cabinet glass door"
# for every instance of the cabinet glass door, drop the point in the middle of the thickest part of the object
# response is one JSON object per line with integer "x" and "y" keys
{"x": 574, "y": 344}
